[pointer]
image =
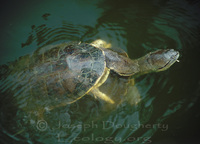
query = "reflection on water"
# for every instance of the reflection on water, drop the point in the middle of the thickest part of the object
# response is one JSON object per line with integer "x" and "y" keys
{"x": 149, "y": 106}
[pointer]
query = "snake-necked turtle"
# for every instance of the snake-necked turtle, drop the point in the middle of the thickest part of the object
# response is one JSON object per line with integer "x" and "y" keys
{"x": 61, "y": 74}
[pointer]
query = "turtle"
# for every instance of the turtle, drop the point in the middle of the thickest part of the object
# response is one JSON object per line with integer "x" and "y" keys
{"x": 60, "y": 74}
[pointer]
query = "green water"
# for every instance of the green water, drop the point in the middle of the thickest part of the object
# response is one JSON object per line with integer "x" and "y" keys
{"x": 169, "y": 108}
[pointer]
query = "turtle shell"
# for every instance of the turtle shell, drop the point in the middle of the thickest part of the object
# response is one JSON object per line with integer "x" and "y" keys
{"x": 82, "y": 67}
{"x": 57, "y": 74}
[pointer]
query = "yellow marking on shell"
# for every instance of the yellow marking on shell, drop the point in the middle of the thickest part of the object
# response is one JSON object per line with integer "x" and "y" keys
{"x": 103, "y": 77}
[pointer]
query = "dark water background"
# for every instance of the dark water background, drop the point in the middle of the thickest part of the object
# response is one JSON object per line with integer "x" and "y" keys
{"x": 169, "y": 98}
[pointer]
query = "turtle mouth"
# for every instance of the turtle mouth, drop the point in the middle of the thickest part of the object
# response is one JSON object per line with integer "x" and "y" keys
{"x": 173, "y": 56}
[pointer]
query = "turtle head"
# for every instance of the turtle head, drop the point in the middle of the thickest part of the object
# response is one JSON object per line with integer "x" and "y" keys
{"x": 161, "y": 60}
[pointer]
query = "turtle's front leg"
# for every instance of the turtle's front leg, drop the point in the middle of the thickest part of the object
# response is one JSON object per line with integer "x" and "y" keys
{"x": 96, "y": 92}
